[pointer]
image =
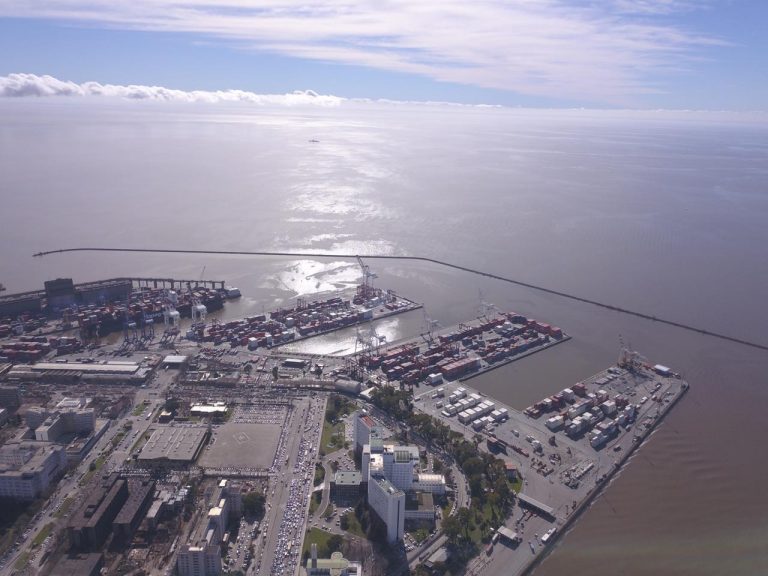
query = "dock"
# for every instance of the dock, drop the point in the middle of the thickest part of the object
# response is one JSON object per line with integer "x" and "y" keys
{"x": 563, "y": 468}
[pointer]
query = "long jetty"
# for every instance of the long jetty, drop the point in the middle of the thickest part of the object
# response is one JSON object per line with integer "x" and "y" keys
{"x": 477, "y": 272}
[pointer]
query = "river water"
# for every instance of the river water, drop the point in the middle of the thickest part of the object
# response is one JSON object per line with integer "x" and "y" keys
{"x": 664, "y": 213}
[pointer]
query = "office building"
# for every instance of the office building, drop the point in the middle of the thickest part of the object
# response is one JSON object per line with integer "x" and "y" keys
{"x": 389, "y": 504}
{"x": 201, "y": 555}
{"x": 27, "y": 469}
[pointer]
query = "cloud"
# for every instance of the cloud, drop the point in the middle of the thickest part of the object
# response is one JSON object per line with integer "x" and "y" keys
{"x": 601, "y": 51}
{"x": 21, "y": 85}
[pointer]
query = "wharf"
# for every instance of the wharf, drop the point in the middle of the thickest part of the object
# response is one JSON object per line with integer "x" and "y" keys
{"x": 462, "y": 352}
{"x": 562, "y": 473}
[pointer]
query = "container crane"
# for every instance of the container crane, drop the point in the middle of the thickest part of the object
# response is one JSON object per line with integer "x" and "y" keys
{"x": 429, "y": 327}
{"x": 486, "y": 307}
{"x": 630, "y": 359}
{"x": 366, "y": 290}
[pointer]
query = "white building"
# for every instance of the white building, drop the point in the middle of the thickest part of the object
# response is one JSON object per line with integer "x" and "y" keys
{"x": 389, "y": 504}
{"x": 202, "y": 558}
{"x": 400, "y": 465}
{"x": 71, "y": 420}
{"x": 363, "y": 426}
{"x": 201, "y": 555}
{"x": 432, "y": 483}
{"x": 27, "y": 469}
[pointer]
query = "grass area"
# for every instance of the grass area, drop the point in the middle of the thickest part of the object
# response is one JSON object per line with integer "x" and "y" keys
{"x": 329, "y": 510}
{"x": 117, "y": 438}
{"x": 480, "y": 516}
{"x": 42, "y": 535}
{"x": 22, "y": 560}
{"x": 65, "y": 506}
{"x": 139, "y": 410}
{"x": 517, "y": 485}
{"x": 314, "y": 502}
{"x": 97, "y": 464}
{"x": 319, "y": 473}
{"x": 333, "y": 436}
{"x": 419, "y": 535}
{"x": 353, "y": 525}
{"x": 315, "y": 536}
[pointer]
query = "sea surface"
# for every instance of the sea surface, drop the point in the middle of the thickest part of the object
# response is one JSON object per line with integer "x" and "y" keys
{"x": 663, "y": 213}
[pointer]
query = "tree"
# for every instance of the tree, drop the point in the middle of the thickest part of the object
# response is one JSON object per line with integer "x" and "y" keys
{"x": 334, "y": 543}
{"x": 253, "y": 503}
{"x": 451, "y": 528}
{"x": 464, "y": 518}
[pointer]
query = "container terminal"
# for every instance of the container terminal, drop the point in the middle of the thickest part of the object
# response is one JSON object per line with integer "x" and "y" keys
{"x": 227, "y": 410}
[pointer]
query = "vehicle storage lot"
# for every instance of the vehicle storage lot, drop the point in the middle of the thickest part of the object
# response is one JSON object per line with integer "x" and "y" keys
{"x": 242, "y": 446}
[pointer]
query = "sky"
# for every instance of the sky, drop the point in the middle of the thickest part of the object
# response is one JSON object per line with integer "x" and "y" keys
{"x": 626, "y": 54}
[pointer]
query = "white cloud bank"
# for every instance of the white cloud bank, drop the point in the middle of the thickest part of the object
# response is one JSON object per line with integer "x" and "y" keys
{"x": 24, "y": 85}
{"x": 600, "y": 51}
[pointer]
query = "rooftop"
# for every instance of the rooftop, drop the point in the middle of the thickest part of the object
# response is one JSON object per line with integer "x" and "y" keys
{"x": 107, "y": 368}
{"x": 348, "y": 477}
{"x": 175, "y": 443}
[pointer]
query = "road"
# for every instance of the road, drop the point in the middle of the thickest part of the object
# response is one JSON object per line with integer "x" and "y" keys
{"x": 288, "y": 498}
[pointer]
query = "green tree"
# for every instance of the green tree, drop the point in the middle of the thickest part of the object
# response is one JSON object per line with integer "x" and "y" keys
{"x": 451, "y": 528}
{"x": 334, "y": 543}
{"x": 253, "y": 503}
{"x": 464, "y": 518}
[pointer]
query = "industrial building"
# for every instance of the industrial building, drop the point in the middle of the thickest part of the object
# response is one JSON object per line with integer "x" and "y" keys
{"x": 336, "y": 565}
{"x": 529, "y": 502}
{"x": 174, "y": 446}
{"x": 91, "y": 524}
{"x": 27, "y": 469}
{"x": 10, "y": 397}
{"x": 140, "y": 493}
{"x": 79, "y": 565}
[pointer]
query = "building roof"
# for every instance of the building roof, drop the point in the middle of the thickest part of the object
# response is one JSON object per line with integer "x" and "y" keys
{"x": 174, "y": 443}
{"x": 533, "y": 503}
{"x": 440, "y": 555}
{"x": 390, "y": 488}
{"x": 505, "y": 532}
{"x": 78, "y": 565}
{"x": 209, "y": 408}
{"x": 368, "y": 421}
{"x": 335, "y": 565}
{"x": 108, "y": 368}
{"x": 348, "y": 478}
{"x": 175, "y": 359}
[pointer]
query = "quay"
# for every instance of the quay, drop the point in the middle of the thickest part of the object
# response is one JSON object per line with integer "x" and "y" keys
{"x": 64, "y": 292}
{"x": 563, "y": 467}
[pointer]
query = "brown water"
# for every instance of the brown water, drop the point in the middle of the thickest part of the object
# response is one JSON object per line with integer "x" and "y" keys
{"x": 661, "y": 214}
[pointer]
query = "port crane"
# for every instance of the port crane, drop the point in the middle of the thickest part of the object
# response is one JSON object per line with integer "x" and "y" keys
{"x": 370, "y": 342}
{"x": 366, "y": 290}
{"x": 429, "y": 327}
{"x": 486, "y": 307}
{"x": 630, "y": 359}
